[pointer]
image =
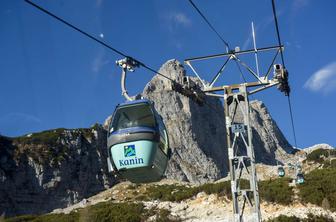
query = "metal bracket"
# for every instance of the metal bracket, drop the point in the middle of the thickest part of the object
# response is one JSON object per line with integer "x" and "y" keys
{"x": 127, "y": 64}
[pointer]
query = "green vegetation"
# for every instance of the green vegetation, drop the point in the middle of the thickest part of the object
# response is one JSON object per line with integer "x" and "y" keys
{"x": 179, "y": 192}
{"x": 45, "y": 218}
{"x": 49, "y": 146}
{"x": 276, "y": 191}
{"x": 48, "y": 137}
{"x": 310, "y": 218}
{"x": 163, "y": 215}
{"x": 102, "y": 212}
{"x": 51, "y": 137}
{"x": 319, "y": 155}
{"x": 108, "y": 211}
{"x": 284, "y": 218}
{"x": 43, "y": 147}
{"x": 320, "y": 188}
{"x": 329, "y": 163}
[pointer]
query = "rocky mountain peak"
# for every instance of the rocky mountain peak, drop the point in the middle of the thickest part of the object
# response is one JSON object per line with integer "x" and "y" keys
{"x": 197, "y": 134}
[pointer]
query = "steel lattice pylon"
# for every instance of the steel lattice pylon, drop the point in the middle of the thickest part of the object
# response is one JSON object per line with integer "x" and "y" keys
{"x": 238, "y": 161}
{"x": 239, "y": 132}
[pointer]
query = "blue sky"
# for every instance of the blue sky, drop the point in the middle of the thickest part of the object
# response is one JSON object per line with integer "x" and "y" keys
{"x": 52, "y": 76}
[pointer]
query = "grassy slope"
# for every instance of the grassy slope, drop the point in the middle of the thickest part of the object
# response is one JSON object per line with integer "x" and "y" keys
{"x": 319, "y": 185}
{"x": 319, "y": 189}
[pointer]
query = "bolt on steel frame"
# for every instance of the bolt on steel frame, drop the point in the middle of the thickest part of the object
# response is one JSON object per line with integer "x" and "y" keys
{"x": 236, "y": 98}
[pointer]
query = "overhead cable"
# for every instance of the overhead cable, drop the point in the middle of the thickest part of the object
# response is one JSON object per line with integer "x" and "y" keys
{"x": 95, "y": 39}
{"x": 292, "y": 120}
{"x": 210, "y": 25}
{"x": 283, "y": 64}
{"x": 179, "y": 88}
{"x": 219, "y": 36}
{"x": 278, "y": 32}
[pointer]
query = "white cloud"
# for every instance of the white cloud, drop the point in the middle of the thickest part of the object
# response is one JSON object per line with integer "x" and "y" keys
{"x": 324, "y": 80}
{"x": 175, "y": 20}
{"x": 180, "y": 18}
{"x": 174, "y": 23}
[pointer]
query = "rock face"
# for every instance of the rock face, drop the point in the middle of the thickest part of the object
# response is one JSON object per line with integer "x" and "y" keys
{"x": 197, "y": 134}
{"x": 51, "y": 169}
{"x": 269, "y": 143}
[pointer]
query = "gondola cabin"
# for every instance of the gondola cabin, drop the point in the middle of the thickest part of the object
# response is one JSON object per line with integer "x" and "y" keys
{"x": 137, "y": 142}
{"x": 299, "y": 178}
{"x": 281, "y": 172}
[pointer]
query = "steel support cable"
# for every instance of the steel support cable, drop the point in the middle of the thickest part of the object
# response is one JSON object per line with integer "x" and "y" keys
{"x": 209, "y": 24}
{"x": 292, "y": 121}
{"x": 95, "y": 39}
{"x": 104, "y": 44}
{"x": 219, "y": 36}
{"x": 278, "y": 32}
{"x": 283, "y": 64}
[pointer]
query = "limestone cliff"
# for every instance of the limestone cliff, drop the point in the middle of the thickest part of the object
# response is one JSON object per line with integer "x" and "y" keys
{"x": 197, "y": 133}
{"x": 57, "y": 168}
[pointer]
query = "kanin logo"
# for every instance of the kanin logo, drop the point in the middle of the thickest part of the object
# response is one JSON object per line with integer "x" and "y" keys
{"x": 129, "y": 150}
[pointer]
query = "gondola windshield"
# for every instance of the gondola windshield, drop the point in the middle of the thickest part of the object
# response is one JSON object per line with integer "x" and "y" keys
{"x": 133, "y": 116}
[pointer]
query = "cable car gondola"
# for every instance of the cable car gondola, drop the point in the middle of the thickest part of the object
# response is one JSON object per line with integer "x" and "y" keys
{"x": 281, "y": 171}
{"x": 299, "y": 178}
{"x": 137, "y": 142}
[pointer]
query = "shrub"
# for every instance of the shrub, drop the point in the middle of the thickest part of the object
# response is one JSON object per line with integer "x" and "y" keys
{"x": 310, "y": 218}
{"x": 170, "y": 192}
{"x": 222, "y": 189}
{"x": 276, "y": 191}
{"x": 329, "y": 163}
{"x": 107, "y": 211}
{"x": 333, "y": 163}
{"x": 23, "y": 218}
{"x": 317, "y": 218}
{"x": 284, "y": 218}
{"x": 102, "y": 212}
{"x": 319, "y": 154}
{"x": 163, "y": 215}
{"x": 319, "y": 184}
{"x": 48, "y": 137}
{"x": 72, "y": 217}
{"x": 46, "y": 147}
{"x": 179, "y": 192}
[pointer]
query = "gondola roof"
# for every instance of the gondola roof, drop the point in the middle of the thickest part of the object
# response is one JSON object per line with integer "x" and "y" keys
{"x": 133, "y": 102}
